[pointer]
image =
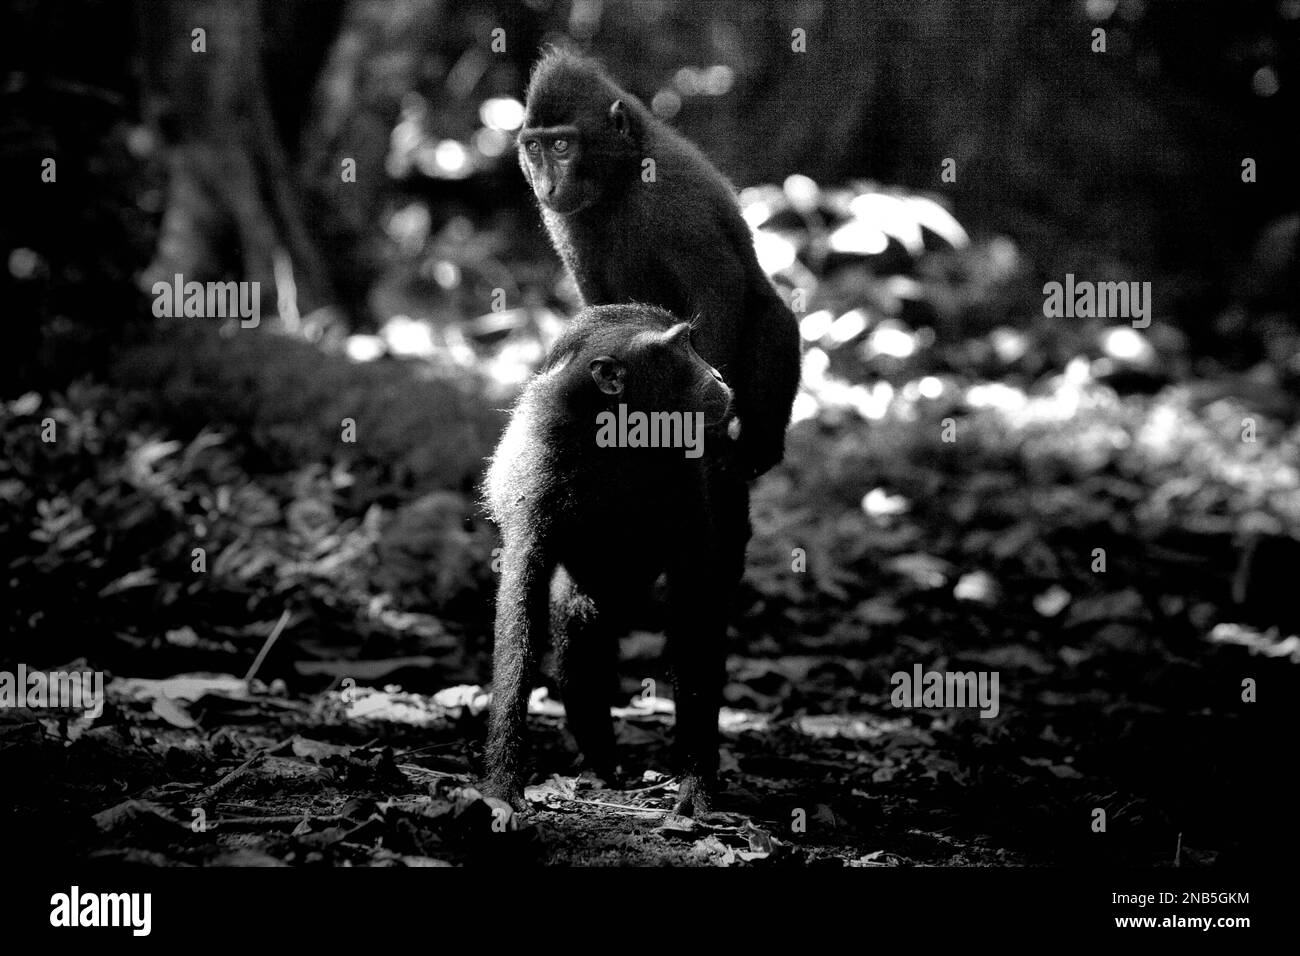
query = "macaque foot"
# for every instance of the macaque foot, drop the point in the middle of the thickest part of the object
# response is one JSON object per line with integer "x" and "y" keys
{"x": 694, "y": 796}
{"x": 509, "y": 791}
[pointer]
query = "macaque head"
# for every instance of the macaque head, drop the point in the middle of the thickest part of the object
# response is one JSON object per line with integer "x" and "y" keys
{"x": 655, "y": 368}
{"x": 581, "y": 133}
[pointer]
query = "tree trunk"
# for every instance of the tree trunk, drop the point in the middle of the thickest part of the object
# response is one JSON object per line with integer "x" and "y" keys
{"x": 234, "y": 205}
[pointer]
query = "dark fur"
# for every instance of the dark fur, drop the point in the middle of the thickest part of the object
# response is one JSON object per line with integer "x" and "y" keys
{"x": 679, "y": 242}
{"x": 587, "y": 530}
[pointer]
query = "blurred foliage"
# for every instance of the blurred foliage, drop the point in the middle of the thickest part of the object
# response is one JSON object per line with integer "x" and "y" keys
{"x": 233, "y": 445}
{"x": 419, "y": 426}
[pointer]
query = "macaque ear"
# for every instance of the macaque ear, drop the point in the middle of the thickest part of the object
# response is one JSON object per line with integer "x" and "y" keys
{"x": 681, "y": 332}
{"x": 620, "y": 117}
{"x": 608, "y": 373}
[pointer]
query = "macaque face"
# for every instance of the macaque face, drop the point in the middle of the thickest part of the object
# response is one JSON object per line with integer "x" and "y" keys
{"x": 551, "y": 159}
{"x": 711, "y": 395}
{"x": 574, "y": 149}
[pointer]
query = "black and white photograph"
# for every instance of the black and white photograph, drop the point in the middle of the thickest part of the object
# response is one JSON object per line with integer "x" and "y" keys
{"x": 851, "y": 437}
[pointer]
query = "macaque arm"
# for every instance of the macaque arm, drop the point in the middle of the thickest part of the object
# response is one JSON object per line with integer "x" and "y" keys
{"x": 521, "y": 631}
{"x": 768, "y": 378}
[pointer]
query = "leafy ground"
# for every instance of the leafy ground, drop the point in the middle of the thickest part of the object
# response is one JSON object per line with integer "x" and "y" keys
{"x": 208, "y": 770}
{"x": 1102, "y": 518}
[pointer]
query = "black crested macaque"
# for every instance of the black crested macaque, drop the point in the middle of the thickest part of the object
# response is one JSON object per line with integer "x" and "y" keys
{"x": 675, "y": 239}
{"x": 589, "y": 524}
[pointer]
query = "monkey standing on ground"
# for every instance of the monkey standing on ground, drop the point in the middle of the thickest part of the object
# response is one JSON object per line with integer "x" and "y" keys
{"x": 587, "y": 530}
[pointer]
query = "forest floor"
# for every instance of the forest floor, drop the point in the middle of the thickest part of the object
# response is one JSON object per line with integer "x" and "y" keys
{"x": 1122, "y": 732}
{"x": 205, "y": 771}
{"x": 1124, "y": 566}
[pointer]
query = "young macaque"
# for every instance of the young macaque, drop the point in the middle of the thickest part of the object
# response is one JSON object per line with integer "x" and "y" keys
{"x": 598, "y": 487}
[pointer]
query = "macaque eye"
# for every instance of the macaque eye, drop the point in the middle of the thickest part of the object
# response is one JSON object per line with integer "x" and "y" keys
{"x": 532, "y": 146}
{"x": 560, "y": 146}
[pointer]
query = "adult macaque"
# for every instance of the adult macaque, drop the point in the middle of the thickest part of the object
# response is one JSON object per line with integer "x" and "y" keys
{"x": 588, "y": 527}
{"x": 639, "y": 214}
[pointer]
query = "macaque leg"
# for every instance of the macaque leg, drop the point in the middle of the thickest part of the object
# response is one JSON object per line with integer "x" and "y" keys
{"x": 520, "y": 636}
{"x": 701, "y": 591}
{"x": 696, "y": 646}
{"x": 586, "y": 647}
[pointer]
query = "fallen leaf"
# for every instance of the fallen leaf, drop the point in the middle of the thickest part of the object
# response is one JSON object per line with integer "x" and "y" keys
{"x": 169, "y": 710}
{"x": 371, "y": 670}
{"x": 555, "y": 790}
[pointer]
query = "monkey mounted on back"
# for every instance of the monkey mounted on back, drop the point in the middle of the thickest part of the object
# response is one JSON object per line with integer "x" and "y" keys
{"x": 588, "y": 529}
{"x": 677, "y": 241}
{"x": 549, "y": 459}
